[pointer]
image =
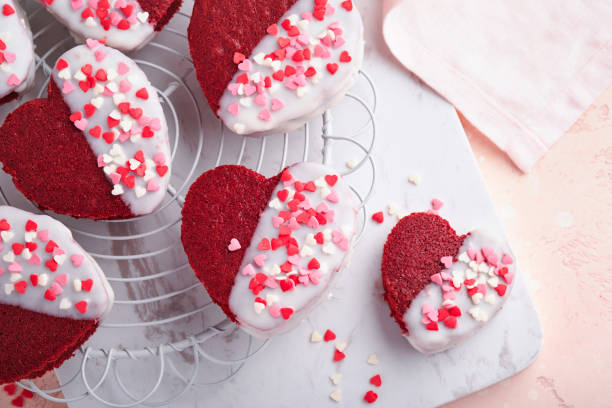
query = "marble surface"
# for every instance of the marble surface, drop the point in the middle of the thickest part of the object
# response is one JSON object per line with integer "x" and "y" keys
{"x": 544, "y": 214}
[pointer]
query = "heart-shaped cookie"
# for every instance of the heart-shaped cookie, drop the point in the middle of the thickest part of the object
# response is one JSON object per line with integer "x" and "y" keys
{"x": 52, "y": 294}
{"x": 268, "y": 250}
{"x": 97, "y": 146}
{"x": 16, "y": 52}
{"x": 442, "y": 287}
{"x": 126, "y": 25}
{"x": 269, "y": 66}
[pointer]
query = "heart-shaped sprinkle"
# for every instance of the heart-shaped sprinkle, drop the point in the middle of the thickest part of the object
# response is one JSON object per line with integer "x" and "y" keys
{"x": 234, "y": 245}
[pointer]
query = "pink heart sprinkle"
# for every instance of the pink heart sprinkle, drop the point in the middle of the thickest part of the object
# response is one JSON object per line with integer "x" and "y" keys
{"x": 115, "y": 18}
{"x": 13, "y": 80}
{"x": 304, "y": 280}
{"x": 15, "y": 267}
{"x": 322, "y": 208}
{"x": 77, "y": 4}
{"x": 293, "y": 224}
{"x": 433, "y": 316}
{"x": 472, "y": 253}
{"x": 426, "y": 308}
{"x": 260, "y": 259}
{"x": 445, "y": 276}
{"x": 56, "y": 289}
{"x": 234, "y": 245}
{"x": 449, "y": 295}
{"x": 233, "y": 88}
{"x": 249, "y": 90}
{"x": 76, "y": 259}
{"x": 123, "y": 136}
{"x": 507, "y": 259}
{"x": 123, "y": 68}
{"x": 274, "y": 311}
{"x": 508, "y": 277}
{"x": 234, "y": 109}
{"x": 436, "y": 278}
{"x": 271, "y": 283}
{"x": 436, "y": 204}
{"x": 294, "y": 259}
{"x": 261, "y": 100}
{"x": 333, "y": 197}
{"x": 81, "y": 124}
{"x": 160, "y": 158}
{"x": 277, "y": 105}
{"x": 100, "y": 55}
{"x": 115, "y": 177}
{"x": 306, "y": 16}
{"x": 277, "y": 222}
{"x": 245, "y": 65}
{"x": 248, "y": 270}
{"x": 58, "y": 251}
{"x": 125, "y": 86}
{"x": 35, "y": 259}
{"x": 62, "y": 279}
{"x": 155, "y": 124}
{"x": 10, "y": 57}
{"x": 120, "y": 4}
{"x": 447, "y": 261}
{"x": 68, "y": 87}
{"x": 265, "y": 115}
{"x": 315, "y": 277}
{"x": 152, "y": 185}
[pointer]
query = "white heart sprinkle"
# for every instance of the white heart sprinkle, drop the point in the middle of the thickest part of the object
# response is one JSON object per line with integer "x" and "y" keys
{"x": 315, "y": 337}
{"x": 335, "y": 378}
{"x": 9, "y": 288}
{"x": 143, "y": 17}
{"x": 117, "y": 190}
{"x": 43, "y": 279}
{"x": 65, "y": 304}
{"x": 336, "y": 395}
{"x": 77, "y": 285}
{"x": 140, "y": 191}
{"x": 97, "y": 101}
{"x": 372, "y": 359}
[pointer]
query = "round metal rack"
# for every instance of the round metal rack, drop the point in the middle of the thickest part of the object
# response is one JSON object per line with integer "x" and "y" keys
{"x": 163, "y": 317}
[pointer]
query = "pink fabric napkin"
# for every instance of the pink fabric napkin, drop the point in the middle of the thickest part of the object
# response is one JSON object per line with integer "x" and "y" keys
{"x": 522, "y": 71}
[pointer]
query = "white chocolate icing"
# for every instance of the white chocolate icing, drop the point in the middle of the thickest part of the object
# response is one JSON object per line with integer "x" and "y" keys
{"x": 70, "y": 13}
{"x": 16, "y": 50}
{"x": 124, "y": 82}
{"x": 256, "y": 110}
{"x": 333, "y": 255}
{"x": 476, "y": 310}
{"x": 77, "y": 289}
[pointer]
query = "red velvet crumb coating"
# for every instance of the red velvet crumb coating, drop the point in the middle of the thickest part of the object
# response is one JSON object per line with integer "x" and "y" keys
{"x": 220, "y": 28}
{"x": 33, "y": 343}
{"x": 412, "y": 254}
{"x": 53, "y": 165}
{"x": 222, "y": 204}
{"x": 160, "y": 11}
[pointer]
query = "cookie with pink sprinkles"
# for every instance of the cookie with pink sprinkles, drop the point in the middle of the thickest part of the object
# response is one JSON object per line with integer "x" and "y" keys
{"x": 269, "y": 250}
{"x": 269, "y": 66}
{"x": 97, "y": 147}
{"x": 442, "y": 287}
{"x": 126, "y": 25}
{"x": 16, "y": 52}
{"x": 53, "y": 295}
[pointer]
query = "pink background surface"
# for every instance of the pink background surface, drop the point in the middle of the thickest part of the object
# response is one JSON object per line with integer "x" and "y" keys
{"x": 558, "y": 222}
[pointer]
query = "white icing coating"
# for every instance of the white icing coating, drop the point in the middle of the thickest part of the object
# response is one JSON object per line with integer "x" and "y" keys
{"x": 16, "y": 50}
{"x": 287, "y": 105}
{"x": 333, "y": 255}
{"x": 124, "y": 82}
{"x": 71, "y": 12}
{"x": 475, "y": 310}
{"x": 77, "y": 289}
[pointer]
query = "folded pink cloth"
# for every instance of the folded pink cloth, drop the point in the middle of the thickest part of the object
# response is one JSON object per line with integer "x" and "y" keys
{"x": 522, "y": 71}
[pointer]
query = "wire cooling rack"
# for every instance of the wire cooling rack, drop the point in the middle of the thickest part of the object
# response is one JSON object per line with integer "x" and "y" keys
{"x": 163, "y": 322}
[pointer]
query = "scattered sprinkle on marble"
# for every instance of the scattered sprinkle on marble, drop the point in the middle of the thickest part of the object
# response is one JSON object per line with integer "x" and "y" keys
{"x": 315, "y": 337}
{"x": 335, "y": 378}
{"x": 376, "y": 380}
{"x": 370, "y": 397}
{"x": 336, "y": 395}
{"x": 379, "y": 217}
{"x": 338, "y": 355}
{"x": 436, "y": 204}
{"x": 415, "y": 179}
{"x": 351, "y": 164}
{"x": 341, "y": 346}
{"x": 372, "y": 359}
{"x": 329, "y": 335}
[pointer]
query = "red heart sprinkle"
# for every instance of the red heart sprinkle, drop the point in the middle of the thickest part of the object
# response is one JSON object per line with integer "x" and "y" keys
{"x": 17, "y": 248}
{"x": 61, "y": 64}
{"x": 147, "y": 132}
{"x": 378, "y": 217}
{"x": 4, "y": 225}
{"x": 139, "y": 156}
{"x": 86, "y": 285}
{"x": 338, "y": 355}
{"x": 282, "y": 194}
{"x": 124, "y": 25}
{"x": 101, "y": 75}
{"x": 272, "y": 30}
{"x": 501, "y": 289}
{"x": 329, "y": 335}
{"x": 332, "y": 68}
{"x": 87, "y": 69}
{"x": 31, "y": 226}
{"x": 27, "y": 394}
{"x": 243, "y": 79}
{"x": 314, "y": 264}
{"x": 17, "y": 402}
{"x": 81, "y": 306}
{"x": 109, "y": 137}
{"x": 124, "y": 107}
{"x": 451, "y": 322}
{"x": 442, "y": 314}
{"x": 89, "y": 110}
{"x": 320, "y": 238}
{"x": 455, "y": 311}
{"x": 51, "y": 264}
{"x": 370, "y": 397}
{"x": 432, "y": 326}
{"x": 136, "y": 113}
{"x": 376, "y": 380}
{"x": 345, "y": 57}
{"x": 7, "y": 10}
{"x": 31, "y": 246}
{"x": 76, "y": 116}
{"x": 51, "y": 245}
{"x": 238, "y": 58}
{"x": 142, "y": 93}
{"x": 96, "y": 132}
{"x": 21, "y": 286}
{"x": 286, "y": 312}
{"x": 347, "y": 5}
{"x": 10, "y": 388}
{"x": 49, "y": 295}
{"x": 34, "y": 279}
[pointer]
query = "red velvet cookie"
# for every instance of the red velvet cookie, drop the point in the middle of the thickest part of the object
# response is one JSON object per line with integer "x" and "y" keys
{"x": 268, "y": 250}
{"x": 268, "y": 66}
{"x": 16, "y": 52}
{"x": 97, "y": 146}
{"x": 442, "y": 287}
{"x": 52, "y": 295}
{"x": 126, "y": 25}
